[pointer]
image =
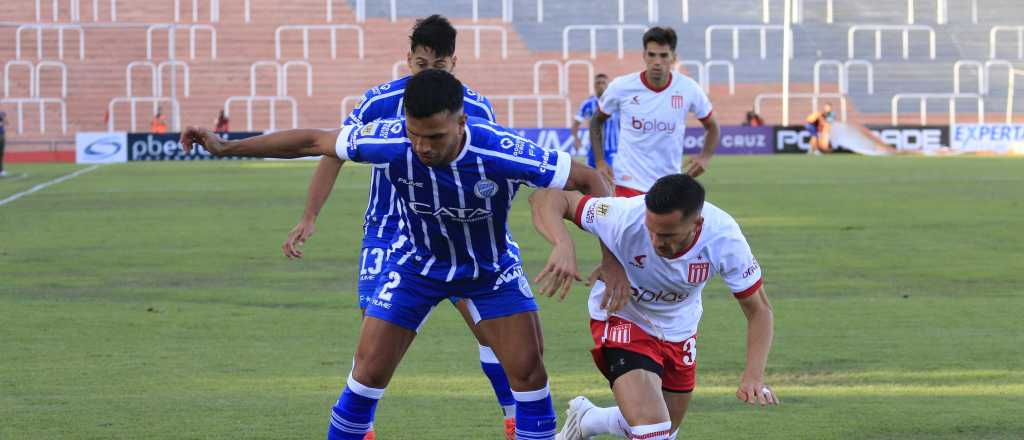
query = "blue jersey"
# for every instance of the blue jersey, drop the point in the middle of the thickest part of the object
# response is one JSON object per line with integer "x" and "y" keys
{"x": 383, "y": 102}
{"x": 611, "y": 129}
{"x": 455, "y": 216}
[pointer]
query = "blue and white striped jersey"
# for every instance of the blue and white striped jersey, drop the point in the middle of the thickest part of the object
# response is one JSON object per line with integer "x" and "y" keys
{"x": 385, "y": 101}
{"x": 611, "y": 127}
{"x": 455, "y": 216}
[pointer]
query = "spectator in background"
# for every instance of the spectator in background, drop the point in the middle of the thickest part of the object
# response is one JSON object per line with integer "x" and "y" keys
{"x": 3, "y": 122}
{"x": 221, "y": 125}
{"x": 753, "y": 120}
{"x": 159, "y": 123}
{"x": 611, "y": 126}
{"x": 819, "y": 124}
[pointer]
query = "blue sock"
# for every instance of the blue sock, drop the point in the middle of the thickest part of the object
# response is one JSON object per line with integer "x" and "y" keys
{"x": 535, "y": 415}
{"x": 352, "y": 416}
{"x": 496, "y": 374}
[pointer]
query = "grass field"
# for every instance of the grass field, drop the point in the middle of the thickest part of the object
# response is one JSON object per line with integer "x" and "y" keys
{"x": 150, "y": 300}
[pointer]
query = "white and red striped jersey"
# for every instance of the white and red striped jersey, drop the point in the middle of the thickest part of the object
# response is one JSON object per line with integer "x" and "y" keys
{"x": 651, "y": 125}
{"x": 666, "y": 300}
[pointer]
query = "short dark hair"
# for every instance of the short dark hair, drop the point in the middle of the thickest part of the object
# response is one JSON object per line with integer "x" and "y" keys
{"x": 600, "y": 75}
{"x": 661, "y": 35}
{"x": 675, "y": 192}
{"x": 435, "y": 33}
{"x": 432, "y": 91}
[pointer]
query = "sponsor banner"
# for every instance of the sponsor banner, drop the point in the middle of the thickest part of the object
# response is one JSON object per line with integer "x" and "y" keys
{"x": 994, "y": 138}
{"x": 735, "y": 139}
{"x": 913, "y": 138}
{"x": 792, "y": 139}
{"x": 101, "y": 147}
{"x": 151, "y": 146}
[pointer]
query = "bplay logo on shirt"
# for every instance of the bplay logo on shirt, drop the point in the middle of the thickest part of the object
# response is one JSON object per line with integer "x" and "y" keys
{"x": 648, "y": 125}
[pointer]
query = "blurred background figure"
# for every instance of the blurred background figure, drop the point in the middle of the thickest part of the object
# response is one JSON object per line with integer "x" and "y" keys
{"x": 222, "y": 124}
{"x": 159, "y": 123}
{"x": 611, "y": 126}
{"x": 819, "y": 124}
{"x": 3, "y": 121}
{"x": 753, "y": 120}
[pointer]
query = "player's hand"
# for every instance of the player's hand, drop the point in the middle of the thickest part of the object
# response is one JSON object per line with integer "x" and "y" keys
{"x": 755, "y": 392}
{"x": 606, "y": 171}
{"x": 204, "y": 137}
{"x": 297, "y": 237}
{"x": 617, "y": 290}
{"x": 559, "y": 273}
{"x": 697, "y": 165}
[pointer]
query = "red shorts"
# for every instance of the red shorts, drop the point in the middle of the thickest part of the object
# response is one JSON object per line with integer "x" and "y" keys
{"x": 621, "y": 191}
{"x": 678, "y": 360}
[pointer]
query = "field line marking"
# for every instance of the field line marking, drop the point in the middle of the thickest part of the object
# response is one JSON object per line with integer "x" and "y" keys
{"x": 43, "y": 185}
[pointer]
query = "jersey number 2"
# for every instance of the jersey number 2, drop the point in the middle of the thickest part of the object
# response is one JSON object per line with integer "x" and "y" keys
{"x": 385, "y": 291}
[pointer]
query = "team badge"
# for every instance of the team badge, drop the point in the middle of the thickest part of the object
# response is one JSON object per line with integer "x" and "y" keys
{"x": 698, "y": 272}
{"x": 369, "y": 129}
{"x": 602, "y": 209}
{"x": 677, "y": 101}
{"x": 619, "y": 333}
{"x": 395, "y": 129}
{"x": 485, "y": 189}
{"x": 507, "y": 143}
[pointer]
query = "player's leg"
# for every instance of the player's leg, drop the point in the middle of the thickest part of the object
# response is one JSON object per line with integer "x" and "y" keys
{"x": 394, "y": 313}
{"x": 677, "y": 403}
{"x": 491, "y": 367}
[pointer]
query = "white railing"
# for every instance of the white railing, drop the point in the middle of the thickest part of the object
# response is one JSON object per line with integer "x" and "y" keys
{"x": 562, "y": 71}
{"x": 41, "y": 103}
{"x": 798, "y": 11}
{"x": 477, "y": 28}
{"x": 172, "y": 30}
{"x": 508, "y": 11}
{"x": 813, "y": 97}
{"x": 652, "y": 10}
{"x": 172, "y": 65}
{"x": 700, "y": 72}
{"x": 762, "y": 29}
{"x": 996, "y": 30}
{"x": 346, "y": 102}
{"x": 154, "y": 76}
{"x": 593, "y": 28}
{"x": 214, "y": 10}
{"x": 904, "y": 29}
{"x": 305, "y": 28}
{"x": 29, "y": 67}
{"x": 1010, "y": 92}
{"x": 75, "y": 10}
{"x": 923, "y": 99}
{"x": 396, "y": 69}
{"x": 281, "y": 76}
{"x": 984, "y": 71}
{"x": 540, "y": 100}
{"x": 941, "y": 12}
{"x": 843, "y": 74}
{"x": 60, "y": 28}
{"x": 155, "y": 101}
{"x": 61, "y": 67}
{"x": 271, "y": 101}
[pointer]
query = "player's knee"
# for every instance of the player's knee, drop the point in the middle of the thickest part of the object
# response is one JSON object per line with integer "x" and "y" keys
{"x": 526, "y": 376}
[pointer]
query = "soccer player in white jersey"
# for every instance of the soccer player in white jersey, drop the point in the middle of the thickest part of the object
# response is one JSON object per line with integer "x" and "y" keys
{"x": 672, "y": 242}
{"x": 652, "y": 107}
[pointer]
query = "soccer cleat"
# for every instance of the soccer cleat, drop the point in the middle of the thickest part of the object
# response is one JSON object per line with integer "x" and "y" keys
{"x": 370, "y": 436}
{"x": 571, "y": 429}
{"x": 510, "y": 429}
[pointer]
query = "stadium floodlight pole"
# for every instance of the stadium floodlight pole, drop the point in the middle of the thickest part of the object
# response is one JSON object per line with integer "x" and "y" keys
{"x": 787, "y": 51}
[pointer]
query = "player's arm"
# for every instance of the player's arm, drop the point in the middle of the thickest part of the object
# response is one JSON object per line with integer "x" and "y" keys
{"x": 760, "y": 328}
{"x": 320, "y": 188}
{"x": 597, "y": 143}
{"x": 549, "y": 209}
{"x": 577, "y": 143}
{"x": 285, "y": 144}
{"x": 712, "y": 135}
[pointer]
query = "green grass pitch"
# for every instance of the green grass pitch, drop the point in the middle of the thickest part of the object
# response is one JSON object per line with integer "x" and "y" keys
{"x": 150, "y": 300}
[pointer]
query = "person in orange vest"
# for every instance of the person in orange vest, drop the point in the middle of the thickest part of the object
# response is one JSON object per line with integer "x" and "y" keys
{"x": 159, "y": 123}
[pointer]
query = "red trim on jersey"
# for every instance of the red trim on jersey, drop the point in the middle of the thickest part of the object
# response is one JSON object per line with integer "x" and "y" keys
{"x": 579, "y": 211}
{"x": 750, "y": 290}
{"x": 651, "y": 435}
{"x": 711, "y": 113}
{"x": 625, "y": 191}
{"x": 643, "y": 79}
{"x": 696, "y": 236}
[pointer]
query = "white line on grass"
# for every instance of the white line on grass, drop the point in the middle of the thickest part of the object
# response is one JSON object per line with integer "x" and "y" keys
{"x": 46, "y": 184}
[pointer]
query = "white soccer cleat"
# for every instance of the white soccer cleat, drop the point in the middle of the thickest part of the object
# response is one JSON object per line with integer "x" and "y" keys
{"x": 571, "y": 429}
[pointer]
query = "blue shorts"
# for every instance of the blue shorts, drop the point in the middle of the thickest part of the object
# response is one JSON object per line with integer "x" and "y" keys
{"x": 406, "y": 299}
{"x": 371, "y": 262}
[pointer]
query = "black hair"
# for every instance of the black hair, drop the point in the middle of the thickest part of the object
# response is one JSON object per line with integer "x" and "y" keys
{"x": 661, "y": 35}
{"x": 675, "y": 192}
{"x": 435, "y": 33}
{"x": 600, "y": 75}
{"x": 432, "y": 91}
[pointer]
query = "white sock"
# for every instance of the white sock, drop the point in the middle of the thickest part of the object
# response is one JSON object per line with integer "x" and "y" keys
{"x": 598, "y": 421}
{"x": 657, "y": 431}
{"x": 674, "y": 434}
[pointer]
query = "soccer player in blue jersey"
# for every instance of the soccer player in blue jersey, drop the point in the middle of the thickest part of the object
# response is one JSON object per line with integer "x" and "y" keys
{"x": 432, "y": 46}
{"x": 611, "y": 125}
{"x": 455, "y": 178}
